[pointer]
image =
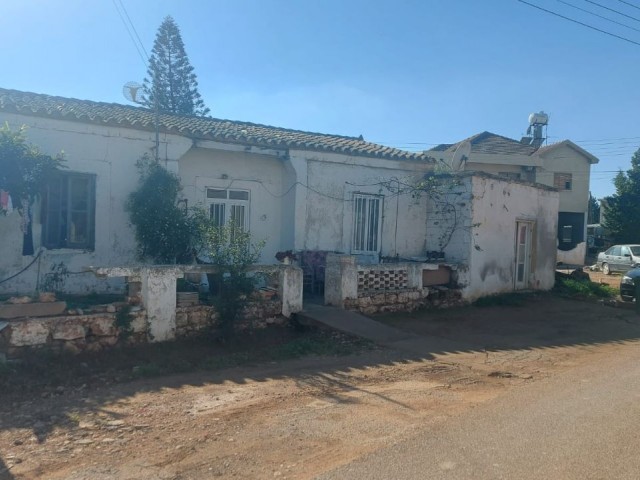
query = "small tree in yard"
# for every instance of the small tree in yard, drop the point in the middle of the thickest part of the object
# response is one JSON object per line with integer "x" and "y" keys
{"x": 24, "y": 170}
{"x": 232, "y": 250}
{"x": 165, "y": 232}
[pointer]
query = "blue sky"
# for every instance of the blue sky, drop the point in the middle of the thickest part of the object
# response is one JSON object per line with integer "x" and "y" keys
{"x": 408, "y": 73}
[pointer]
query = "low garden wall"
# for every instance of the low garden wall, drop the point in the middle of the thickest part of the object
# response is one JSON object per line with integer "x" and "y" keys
{"x": 389, "y": 287}
{"x": 404, "y": 300}
{"x": 108, "y": 326}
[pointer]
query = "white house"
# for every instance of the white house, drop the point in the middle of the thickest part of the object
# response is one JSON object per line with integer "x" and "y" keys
{"x": 295, "y": 190}
{"x": 563, "y": 165}
{"x": 502, "y": 237}
{"x": 292, "y": 189}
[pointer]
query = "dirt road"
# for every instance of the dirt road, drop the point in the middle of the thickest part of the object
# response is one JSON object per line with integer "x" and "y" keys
{"x": 298, "y": 419}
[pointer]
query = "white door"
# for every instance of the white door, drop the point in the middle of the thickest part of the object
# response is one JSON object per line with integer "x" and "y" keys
{"x": 523, "y": 254}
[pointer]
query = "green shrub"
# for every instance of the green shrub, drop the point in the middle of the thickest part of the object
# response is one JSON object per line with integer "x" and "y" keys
{"x": 165, "y": 231}
{"x": 582, "y": 288}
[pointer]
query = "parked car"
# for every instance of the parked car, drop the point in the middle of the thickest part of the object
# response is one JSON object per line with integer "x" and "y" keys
{"x": 627, "y": 285}
{"x": 619, "y": 258}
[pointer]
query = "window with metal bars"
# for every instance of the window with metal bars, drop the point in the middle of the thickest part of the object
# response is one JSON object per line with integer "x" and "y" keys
{"x": 367, "y": 212}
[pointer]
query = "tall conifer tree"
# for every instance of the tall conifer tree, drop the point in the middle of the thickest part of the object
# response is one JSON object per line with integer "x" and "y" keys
{"x": 170, "y": 75}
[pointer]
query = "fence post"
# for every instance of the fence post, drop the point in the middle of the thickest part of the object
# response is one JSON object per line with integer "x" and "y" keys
{"x": 340, "y": 279}
{"x": 291, "y": 289}
{"x": 158, "y": 292}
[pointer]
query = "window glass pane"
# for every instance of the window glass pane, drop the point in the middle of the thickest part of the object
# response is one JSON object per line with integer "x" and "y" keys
{"x": 79, "y": 228}
{"x": 238, "y": 195}
{"x": 635, "y": 250}
{"x": 215, "y": 193}
{"x": 79, "y": 193}
{"x": 359, "y": 220}
{"x": 567, "y": 233}
{"x": 237, "y": 216}
{"x": 615, "y": 251}
{"x": 68, "y": 211}
{"x": 216, "y": 211}
{"x": 373, "y": 225}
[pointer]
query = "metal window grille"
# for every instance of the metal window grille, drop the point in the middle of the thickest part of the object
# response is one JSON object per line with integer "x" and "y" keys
{"x": 366, "y": 223}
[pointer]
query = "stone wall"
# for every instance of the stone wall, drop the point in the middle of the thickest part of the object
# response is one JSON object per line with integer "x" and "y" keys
{"x": 92, "y": 332}
{"x": 408, "y": 300}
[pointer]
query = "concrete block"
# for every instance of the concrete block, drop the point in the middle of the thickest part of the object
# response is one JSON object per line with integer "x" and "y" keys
{"x": 20, "y": 310}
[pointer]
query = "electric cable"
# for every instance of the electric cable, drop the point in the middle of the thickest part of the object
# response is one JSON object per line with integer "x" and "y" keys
{"x": 613, "y": 10}
{"x": 599, "y": 16}
{"x": 580, "y": 23}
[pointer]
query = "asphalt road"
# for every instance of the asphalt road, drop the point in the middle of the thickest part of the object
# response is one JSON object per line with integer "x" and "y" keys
{"x": 581, "y": 424}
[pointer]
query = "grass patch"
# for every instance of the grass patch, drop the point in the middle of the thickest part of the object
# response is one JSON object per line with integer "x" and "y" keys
{"x": 318, "y": 345}
{"x": 42, "y": 371}
{"x": 510, "y": 299}
{"x": 569, "y": 287}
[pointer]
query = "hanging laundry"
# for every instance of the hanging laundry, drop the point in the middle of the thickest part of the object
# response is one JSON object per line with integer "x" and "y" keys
{"x": 6, "y": 205}
{"x": 25, "y": 226}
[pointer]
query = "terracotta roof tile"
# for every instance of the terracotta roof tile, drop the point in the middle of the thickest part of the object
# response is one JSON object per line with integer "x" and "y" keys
{"x": 196, "y": 127}
{"x": 490, "y": 143}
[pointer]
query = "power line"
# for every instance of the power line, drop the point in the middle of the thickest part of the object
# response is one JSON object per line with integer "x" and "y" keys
{"x": 629, "y": 3}
{"x": 580, "y": 23}
{"x": 599, "y": 16}
{"x": 126, "y": 26}
{"x": 613, "y": 10}
{"x": 124, "y": 9}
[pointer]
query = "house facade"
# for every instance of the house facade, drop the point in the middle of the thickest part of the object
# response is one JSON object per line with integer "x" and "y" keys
{"x": 503, "y": 236}
{"x": 294, "y": 190}
{"x": 563, "y": 165}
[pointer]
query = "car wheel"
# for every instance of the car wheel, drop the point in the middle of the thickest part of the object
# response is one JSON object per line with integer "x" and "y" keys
{"x": 605, "y": 269}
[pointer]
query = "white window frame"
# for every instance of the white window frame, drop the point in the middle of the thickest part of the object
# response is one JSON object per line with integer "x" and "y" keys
{"x": 361, "y": 240}
{"x": 229, "y": 203}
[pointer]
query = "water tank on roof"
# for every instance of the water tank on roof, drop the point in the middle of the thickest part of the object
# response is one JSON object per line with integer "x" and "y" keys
{"x": 539, "y": 118}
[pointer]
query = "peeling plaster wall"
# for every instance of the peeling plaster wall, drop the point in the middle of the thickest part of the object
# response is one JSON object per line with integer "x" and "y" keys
{"x": 323, "y": 217}
{"x": 497, "y": 206}
{"x": 108, "y": 152}
{"x": 261, "y": 175}
{"x": 451, "y": 234}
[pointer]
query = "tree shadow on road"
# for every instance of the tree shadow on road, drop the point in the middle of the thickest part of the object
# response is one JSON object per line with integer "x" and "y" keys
{"x": 92, "y": 384}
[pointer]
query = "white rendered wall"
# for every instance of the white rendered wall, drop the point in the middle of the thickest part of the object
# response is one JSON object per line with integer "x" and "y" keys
{"x": 261, "y": 175}
{"x": 497, "y": 206}
{"x": 108, "y": 152}
{"x": 324, "y": 202}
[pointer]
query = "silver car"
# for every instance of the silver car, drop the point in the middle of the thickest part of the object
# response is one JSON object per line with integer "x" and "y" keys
{"x": 619, "y": 258}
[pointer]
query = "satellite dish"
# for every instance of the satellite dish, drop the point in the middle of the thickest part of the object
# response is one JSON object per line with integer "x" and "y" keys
{"x": 460, "y": 155}
{"x": 131, "y": 91}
